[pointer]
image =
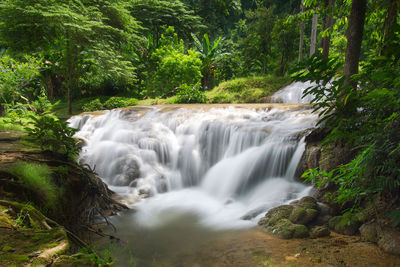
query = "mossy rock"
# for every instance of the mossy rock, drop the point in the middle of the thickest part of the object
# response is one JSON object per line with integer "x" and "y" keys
{"x": 369, "y": 232}
{"x": 285, "y": 229}
{"x": 299, "y": 215}
{"x": 308, "y": 203}
{"x": 319, "y": 231}
{"x": 346, "y": 224}
{"x": 276, "y": 214}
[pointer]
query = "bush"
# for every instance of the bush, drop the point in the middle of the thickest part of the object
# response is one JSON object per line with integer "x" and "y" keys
{"x": 93, "y": 105}
{"x": 120, "y": 102}
{"x": 19, "y": 81}
{"x": 173, "y": 67}
{"x": 188, "y": 94}
{"x": 37, "y": 178}
{"x": 53, "y": 135}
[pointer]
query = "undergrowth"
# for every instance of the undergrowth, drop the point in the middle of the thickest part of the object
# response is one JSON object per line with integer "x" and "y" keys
{"x": 37, "y": 177}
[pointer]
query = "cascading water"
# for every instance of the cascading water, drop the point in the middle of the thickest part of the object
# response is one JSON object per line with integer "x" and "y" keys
{"x": 208, "y": 167}
{"x": 220, "y": 164}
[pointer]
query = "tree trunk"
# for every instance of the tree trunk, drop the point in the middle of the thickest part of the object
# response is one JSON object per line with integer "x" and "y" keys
{"x": 326, "y": 41}
{"x": 354, "y": 39}
{"x": 49, "y": 87}
{"x": 282, "y": 61}
{"x": 392, "y": 10}
{"x": 314, "y": 34}
{"x": 301, "y": 34}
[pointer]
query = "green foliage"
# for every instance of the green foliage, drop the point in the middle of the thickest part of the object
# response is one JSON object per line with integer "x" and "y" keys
{"x": 210, "y": 54}
{"x": 93, "y": 105}
{"x": 174, "y": 66}
{"x": 37, "y": 177}
{"x": 19, "y": 80}
{"x": 84, "y": 40}
{"x": 120, "y": 102}
{"x": 190, "y": 94}
{"x": 154, "y": 14}
{"x": 54, "y": 135}
{"x": 110, "y": 103}
{"x": 367, "y": 118}
{"x": 352, "y": 180}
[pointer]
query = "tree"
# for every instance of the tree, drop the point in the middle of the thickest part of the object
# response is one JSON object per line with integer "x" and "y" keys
{"x": 86, "y": 35}
{"x": 210, "y": 54}
{"x": 354, "y": 39}
{"x": 326, "y": 40}
{"x": 155, "y": 14}
{"x": 314, "y": 34}
{"x": 301, "y": 42}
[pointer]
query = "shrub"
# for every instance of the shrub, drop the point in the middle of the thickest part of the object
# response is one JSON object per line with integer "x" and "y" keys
{"x": 54, "y": 135}
{"x": 188, "y": 94}
{"x": 120, "y": 102}
{"x": 37, "y": 178}
{"x": 93, "y": 105}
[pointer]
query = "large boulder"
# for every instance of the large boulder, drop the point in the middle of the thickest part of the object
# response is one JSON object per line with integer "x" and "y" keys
{"x": 319, "y": 231}
{"x": 389, "y": 240}
{"x": 345, "y": 224}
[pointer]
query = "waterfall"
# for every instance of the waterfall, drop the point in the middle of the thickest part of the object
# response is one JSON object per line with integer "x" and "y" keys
{"x": 221, "y": 164}
{"x": 293, "y": 93}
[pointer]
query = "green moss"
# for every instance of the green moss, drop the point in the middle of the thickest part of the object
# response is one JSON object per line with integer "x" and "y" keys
{"x": 36, "y": 177}
{"x": 13, "y": 258}
{"x": 246, "y": 90}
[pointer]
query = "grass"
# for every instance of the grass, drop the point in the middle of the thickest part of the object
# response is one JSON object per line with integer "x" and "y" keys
{"x": 36, "y": 177}
{"x": 14, "y": 124}
{"x": 247, "y": 90}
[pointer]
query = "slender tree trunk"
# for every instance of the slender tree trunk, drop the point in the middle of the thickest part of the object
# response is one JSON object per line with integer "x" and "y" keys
{"x": 314, "y": 34}
{"x": 354, "y": 39}
{"x": 282, "y": 63}
{"x": 392, "y": 11}
{"x": 326, "y": 41}
{"x": 301, "y": 44}
{"x": 49, "y": 87}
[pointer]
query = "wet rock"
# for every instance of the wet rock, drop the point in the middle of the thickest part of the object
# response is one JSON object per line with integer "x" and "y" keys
{"x": 126, "y": 170}
{"x": 319, "y": 231}
{"x": 276, "y": 214}
{"x": 369, "y": 232}
{"x": 286, "y": 229}
{"x": 290, "y": 221}
{"x": 80, "y": 143}
{"x": 389, "y": 240}
{"x": 346, "y": 224}
{"x": 308, "y": 203}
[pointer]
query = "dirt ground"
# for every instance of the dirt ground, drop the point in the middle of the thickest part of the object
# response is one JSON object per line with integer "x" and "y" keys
{"x": 258, "y": 248}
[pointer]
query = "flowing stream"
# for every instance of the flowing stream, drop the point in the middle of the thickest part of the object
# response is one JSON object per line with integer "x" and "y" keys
{"x": 193, "y": 172}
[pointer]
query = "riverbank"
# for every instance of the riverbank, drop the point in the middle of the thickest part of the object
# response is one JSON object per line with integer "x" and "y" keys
{"x": 47, "y": 206}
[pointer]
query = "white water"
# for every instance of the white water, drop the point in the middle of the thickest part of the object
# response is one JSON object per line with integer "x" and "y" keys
{"x": 217, "y": 165}
{"x": 293, "y": 93}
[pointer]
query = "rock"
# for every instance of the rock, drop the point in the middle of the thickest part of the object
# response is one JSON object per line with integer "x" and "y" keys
{"x": 254, "y": 213}
{"x": 369, "y": 232}
{"x": 322, "y": 220}
{"x": 276, "y": 214}
{"x": 126, "y": 170}
{"x": 297, "y": 215}
{"x": 347, "y": 225}
{"x": 389, "y": 240}
{"x": 300, "y": 231}
{"x": 285, "y": 229}
{"x": 319, "y": 231}
{"x": 81, "y": 142}
{"x": 308, "y": 203}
